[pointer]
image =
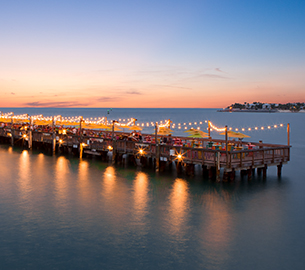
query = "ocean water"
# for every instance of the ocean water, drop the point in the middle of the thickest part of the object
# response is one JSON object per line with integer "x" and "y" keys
{"x": 59, "y": 212}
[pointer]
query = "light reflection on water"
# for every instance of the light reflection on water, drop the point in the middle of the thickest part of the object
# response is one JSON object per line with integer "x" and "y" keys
{"x": 61, "y": 181}
{"x": 24, "y": 179}
{"x": 83, "y": 181}
{"x": 74, "y": 208}
{"x": 178, "y": 206}
{"x": 216, "y": 232}
{"x": 141, "y": 185}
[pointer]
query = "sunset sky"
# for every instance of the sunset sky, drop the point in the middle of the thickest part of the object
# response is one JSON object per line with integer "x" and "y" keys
{"x": 191, "y": 53}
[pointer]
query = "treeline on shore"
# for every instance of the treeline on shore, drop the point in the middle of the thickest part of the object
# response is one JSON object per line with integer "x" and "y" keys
{"x": 272, "y": 106}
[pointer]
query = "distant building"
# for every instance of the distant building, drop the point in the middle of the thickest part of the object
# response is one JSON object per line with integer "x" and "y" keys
{"x": 266, "y": 106}
{"x": 250, "y": 106}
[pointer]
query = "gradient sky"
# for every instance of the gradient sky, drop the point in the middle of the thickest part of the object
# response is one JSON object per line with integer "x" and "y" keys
{"x": 192, "y": 53}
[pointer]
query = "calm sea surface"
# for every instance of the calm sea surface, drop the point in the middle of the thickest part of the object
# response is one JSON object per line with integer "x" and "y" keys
{"x": 59, "y": 212}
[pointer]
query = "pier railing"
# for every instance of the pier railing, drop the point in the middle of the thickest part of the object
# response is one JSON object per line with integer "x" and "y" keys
{"x": 261, "y": 154}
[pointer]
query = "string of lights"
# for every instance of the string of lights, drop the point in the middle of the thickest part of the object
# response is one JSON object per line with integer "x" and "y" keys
{"x": 205, "y": 124}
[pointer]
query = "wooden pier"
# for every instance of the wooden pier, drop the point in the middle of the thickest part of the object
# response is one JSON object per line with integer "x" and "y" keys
{"x": 215, "y": 162}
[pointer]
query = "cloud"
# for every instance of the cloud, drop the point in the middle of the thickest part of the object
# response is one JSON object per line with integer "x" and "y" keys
{"x": 171, "y": 86}
{"x": 219, "y": 70}
{"x": 212, "y": 76}
{"x": 133, "y": 93}
{"x": 108, "y": 99}
{"x": 60, "y": 104}
{"x": 12, "y": 93}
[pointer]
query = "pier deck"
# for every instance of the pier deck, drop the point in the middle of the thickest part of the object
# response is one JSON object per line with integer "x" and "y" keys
{"x": 212, "y": 159}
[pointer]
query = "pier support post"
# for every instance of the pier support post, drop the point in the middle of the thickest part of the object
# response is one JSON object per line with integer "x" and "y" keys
{"x": 114, "y": 151}
{"x": 12, "y": 138}
{"x": 249, "y": 171}
{"x": 190, "y": 169}
{"x": 218, "y": 167}
{"x": 279, "y": 170}
{"x": 143, "y": 161}
{"x": 53, "y": 143}
{"x": 259, "y": 171}
{"x": 232, "y": 175}
{"x": 205, "y": 171}
{"x": 212, "y": 172}
{"x": 157, "y": 157}
{"x": 225, "y": 176}
{"x": 30, "y": 139}
{"x": 179, "y": 167}
{"x": 81, "y": 150}
{"x": 265, "y": 171}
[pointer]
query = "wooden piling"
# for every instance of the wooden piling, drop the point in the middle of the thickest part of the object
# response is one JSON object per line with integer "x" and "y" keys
{"x": 218, "y": 167}
{"x": 157, "y": 157}
{"x": 190, "y": 169}
{"x": 249, "y": 172}
{"x": 179, "y": 167}
{"x": 259, "y": 171}
{"x": 30, "y": 139}
{"x": 114, "y": 150}
{"x": 279, "y": 170}
{"x": 265, "y": 171}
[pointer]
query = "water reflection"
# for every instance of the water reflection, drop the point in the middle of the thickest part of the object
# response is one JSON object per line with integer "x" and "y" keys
{"x": 109, "y": 181}
{"x": 83, "y": 181}
{"x": 216, "y": 228}
{"x": 61, "y": 175}
{"x": 141, "y": 189}
{"x": 24, "y": 175}
{"x": 179, "y": 206}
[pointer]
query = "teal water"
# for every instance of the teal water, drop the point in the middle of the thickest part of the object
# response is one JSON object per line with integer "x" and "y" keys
{"x": 62, "y": 213}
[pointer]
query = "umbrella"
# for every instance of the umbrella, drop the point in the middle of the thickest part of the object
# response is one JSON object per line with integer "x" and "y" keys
{"x": 20, "y": 121}
{"x": 94, "y": 126}
{"x": 43, "y": 122}
{"x": 190, "y": 130}
{"x": 198, "y": 135}
{"x": 5, "y": 120}
{"x": 66, "y": 123}
{"x": 134, "y": 127}
{"x": 109, "y": 128}
{"x": 165, "y": 129}
{"x": 164, "y": 132}
{"x": 233, "y": 134}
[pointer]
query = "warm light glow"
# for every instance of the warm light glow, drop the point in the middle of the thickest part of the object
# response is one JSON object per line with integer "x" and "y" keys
{"x": 216, "y": 128}
{"x": 141, "y": 191}
{"x": 141, "y": 152}
{"x": 109, "y": 180}
{"x": 179, "y": 204}
{"x": 61, "y": 179}
{"x": 110, "y": 147}
{"x": 179, "y": 156}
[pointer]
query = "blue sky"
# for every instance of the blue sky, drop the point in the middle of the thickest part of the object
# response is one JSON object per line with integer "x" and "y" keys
{"x": 151, "y": 53}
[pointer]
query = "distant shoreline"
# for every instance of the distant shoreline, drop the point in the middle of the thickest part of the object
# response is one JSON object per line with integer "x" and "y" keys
{"x": 260, "y": 111}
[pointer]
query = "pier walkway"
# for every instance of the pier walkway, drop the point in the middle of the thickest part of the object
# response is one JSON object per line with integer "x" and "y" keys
{"x": 210, "y": 154}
